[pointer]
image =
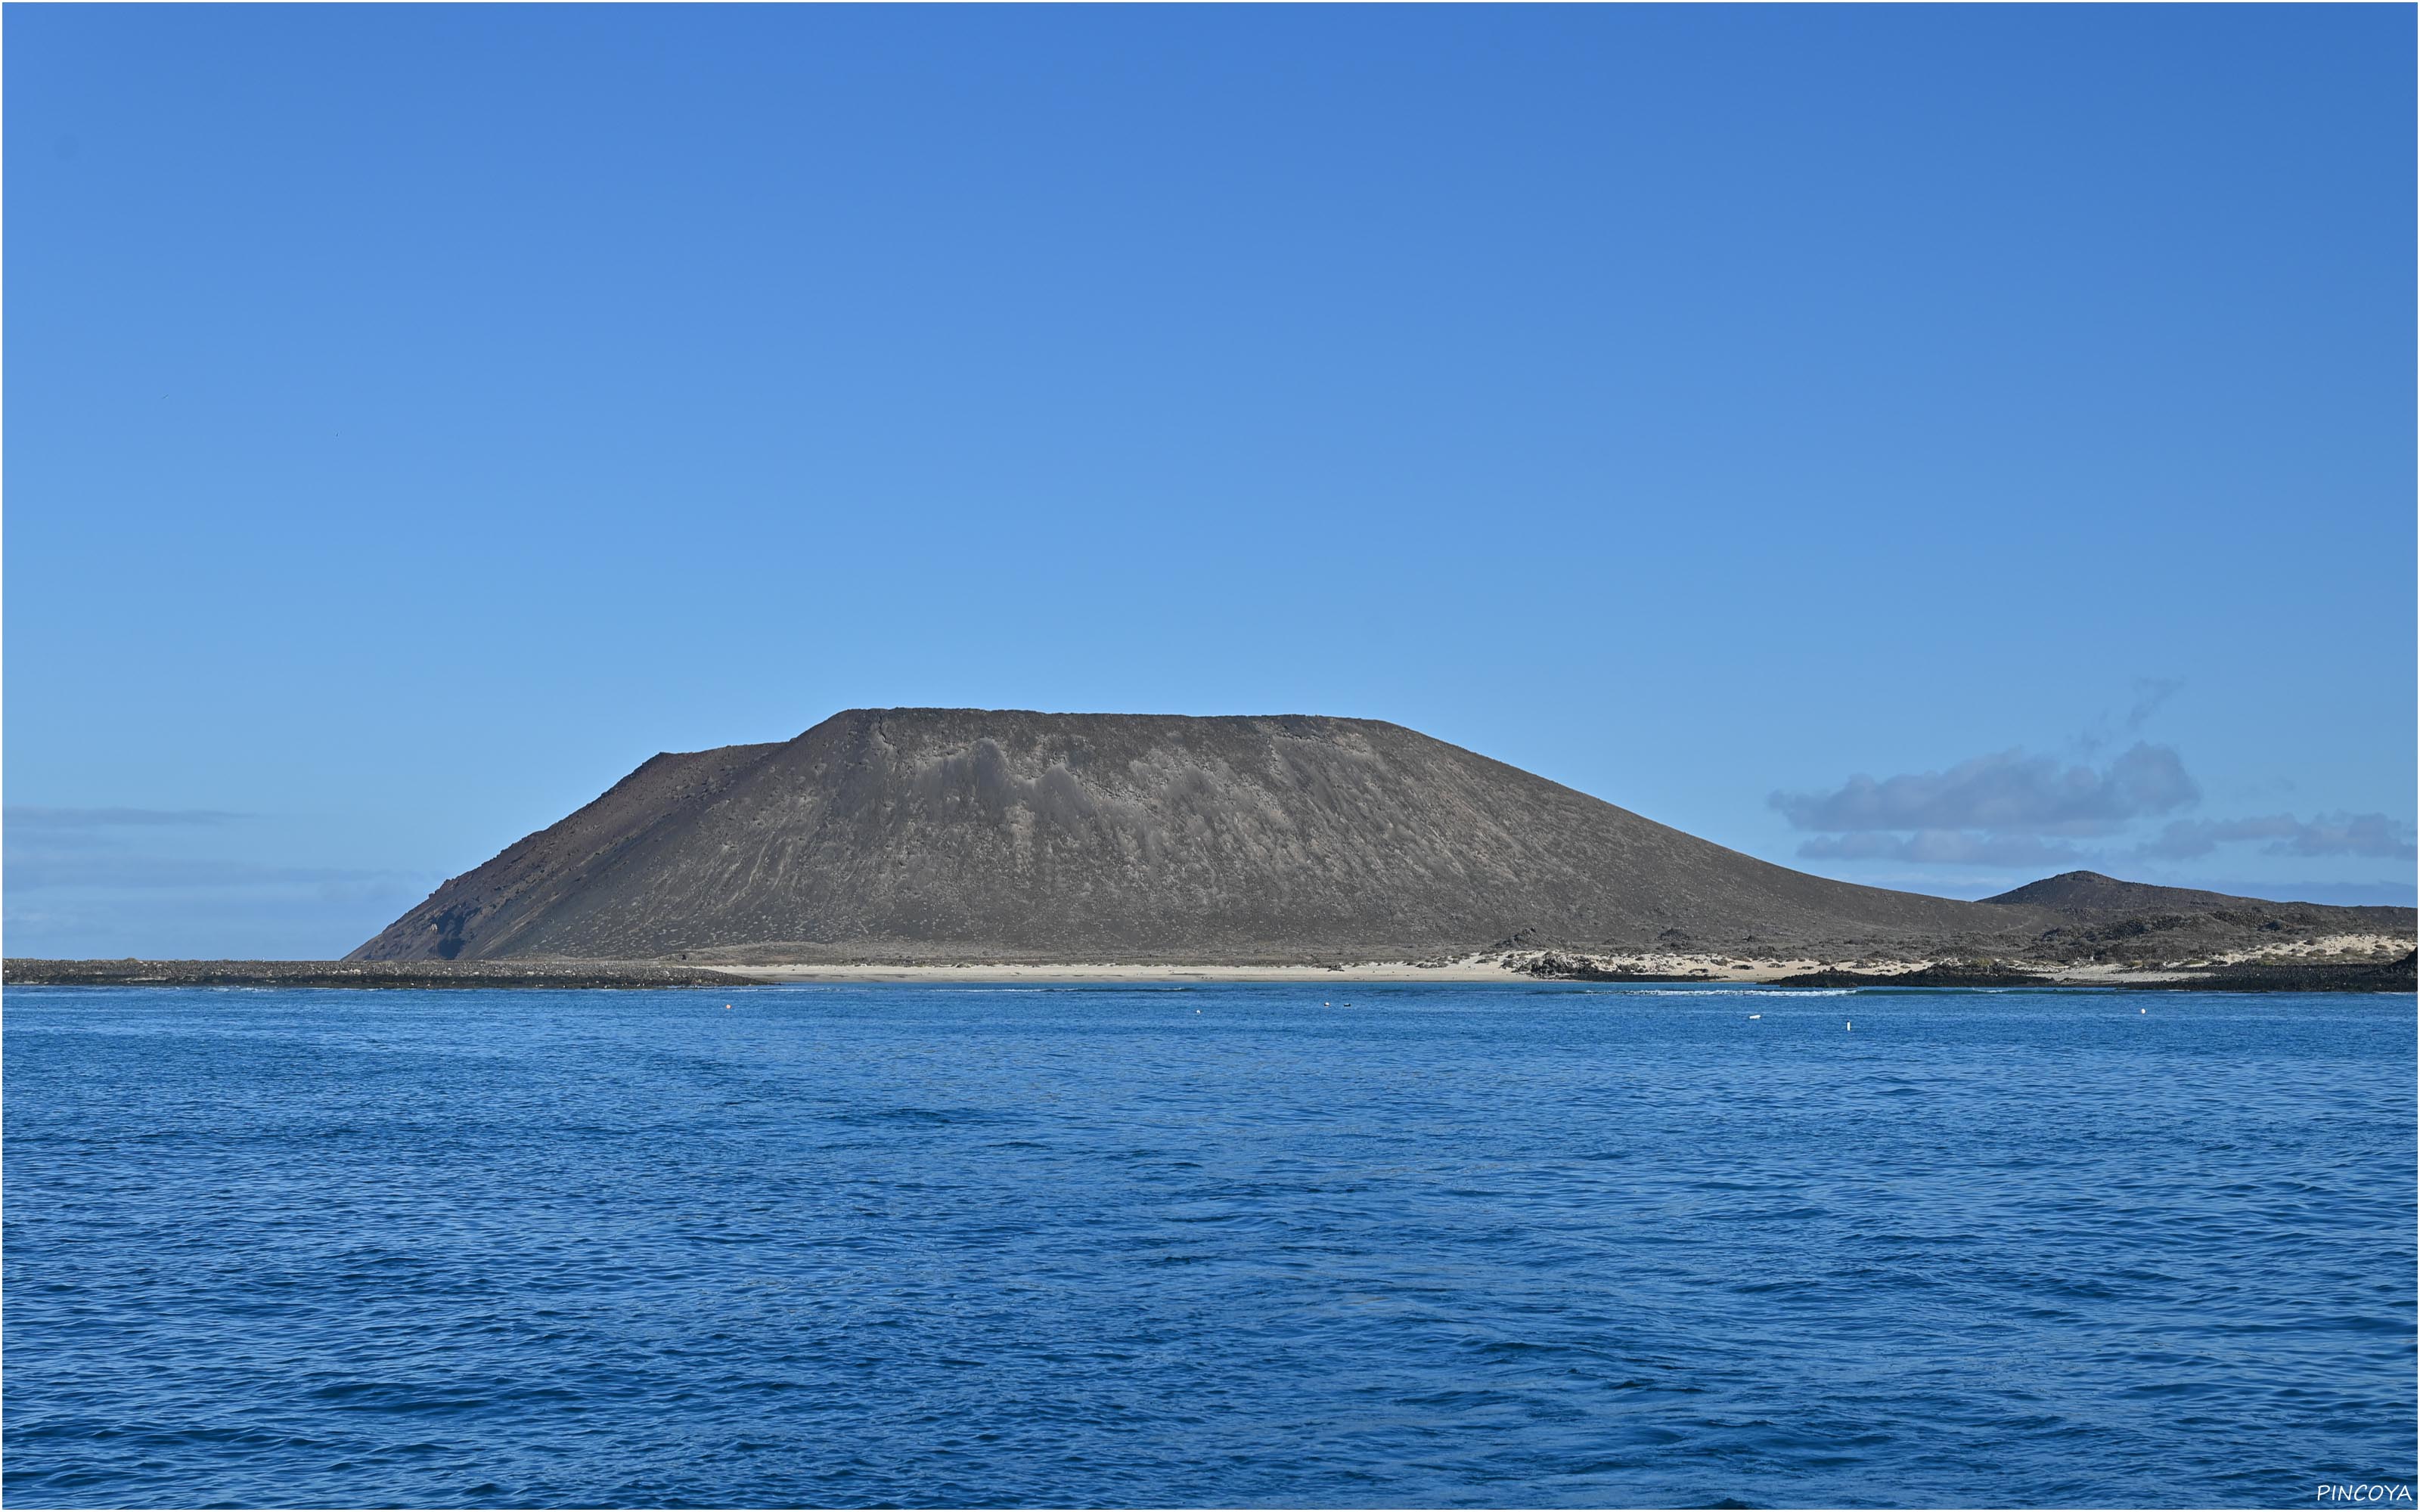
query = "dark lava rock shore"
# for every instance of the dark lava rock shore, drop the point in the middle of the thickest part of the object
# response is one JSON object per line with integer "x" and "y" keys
{"x": 1552, "y": 967}
{"x": 2280, "y": 977}
{"x": 131, "y": 973}
{"x": 2298, "y": 976}
{"x": 1947, "y": 974}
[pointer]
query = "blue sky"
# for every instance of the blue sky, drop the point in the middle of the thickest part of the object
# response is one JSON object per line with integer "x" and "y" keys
{"x": 1930, "y": 446}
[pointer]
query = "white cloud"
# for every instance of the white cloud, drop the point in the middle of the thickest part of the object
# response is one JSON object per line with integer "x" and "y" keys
{"x": 2008, "y": 792}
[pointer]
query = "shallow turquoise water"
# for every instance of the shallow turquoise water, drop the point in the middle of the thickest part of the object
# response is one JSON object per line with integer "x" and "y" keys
{"x": 1221, "y": 1245}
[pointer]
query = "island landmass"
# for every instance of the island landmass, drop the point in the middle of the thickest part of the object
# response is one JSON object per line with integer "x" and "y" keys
{"x": 969, "y": 844}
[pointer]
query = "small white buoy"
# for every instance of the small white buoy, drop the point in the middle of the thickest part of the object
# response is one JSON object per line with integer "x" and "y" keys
{"x": 2142, "y": 1011}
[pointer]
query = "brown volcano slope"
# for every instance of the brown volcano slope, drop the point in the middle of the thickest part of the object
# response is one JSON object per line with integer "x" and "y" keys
{"x": 982, "y": 835}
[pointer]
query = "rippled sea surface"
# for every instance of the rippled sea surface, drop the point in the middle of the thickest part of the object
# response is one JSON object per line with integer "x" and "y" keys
{"x": 1225, "y": 1246}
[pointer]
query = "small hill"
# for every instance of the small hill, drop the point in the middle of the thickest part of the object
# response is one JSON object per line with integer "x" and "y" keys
{"x": 2090, "y": 892}
{"x": 2103, "y": 919}
{"x": 975, "y": 835}
{"x": 2091, "y": 895}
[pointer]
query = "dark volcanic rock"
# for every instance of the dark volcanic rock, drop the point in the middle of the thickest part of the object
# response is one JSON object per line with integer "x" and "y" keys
{"x": 131, "y": 973}
{"x": 976, "y": 835}
{"x": 1555, "y": 968}
{"x": 2101, "y": 919}
{"x": 2090, "y": 895}
{"x": 1947, "y": 974}
{"x": 2090, "y": 892}
{"x": 2302, "y": 977}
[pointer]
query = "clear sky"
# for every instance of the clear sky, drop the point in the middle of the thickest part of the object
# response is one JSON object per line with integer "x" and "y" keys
{"x": 1935, "y": 447}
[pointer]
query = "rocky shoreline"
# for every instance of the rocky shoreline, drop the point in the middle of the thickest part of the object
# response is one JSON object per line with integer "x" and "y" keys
{"x": 2263, "y": 976}
{"x": 555, "y": 974}
{"x": 2245, "y": 977}
{"x": 2301, "y": 977}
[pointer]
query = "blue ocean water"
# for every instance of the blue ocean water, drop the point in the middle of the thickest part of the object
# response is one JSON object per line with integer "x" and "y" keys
{"x": 1224, "y": 1245}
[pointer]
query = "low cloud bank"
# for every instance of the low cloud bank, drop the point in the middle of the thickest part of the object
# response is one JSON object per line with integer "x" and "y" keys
{"x": 2338, "y": 834}
{"x": 1944, "y": 847}
{"x": 2021, "y": 812}
{"x": 155, "y": 882}
{"x": 52, "y": 823}
{"x": 2008, "y": 792}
